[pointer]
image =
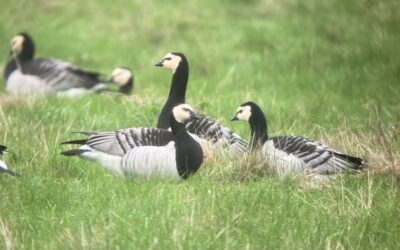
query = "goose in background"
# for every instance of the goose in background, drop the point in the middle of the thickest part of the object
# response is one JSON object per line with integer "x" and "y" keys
{"x": 204, "y": 127}
{"x": 25, "y": 75}
{"x": 121, "y": 76}
{"x": 3, "y": 166}
{"x": 159, "y": 152}
{"x": 293, "y": 154}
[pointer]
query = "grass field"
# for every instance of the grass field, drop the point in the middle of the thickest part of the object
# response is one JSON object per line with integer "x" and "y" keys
{"x": 327, "y": 70}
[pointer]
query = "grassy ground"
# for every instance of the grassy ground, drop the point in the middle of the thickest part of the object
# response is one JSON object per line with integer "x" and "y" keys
{"x": 327, "y": 70}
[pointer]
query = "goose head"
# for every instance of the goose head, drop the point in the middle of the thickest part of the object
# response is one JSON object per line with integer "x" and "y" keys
{"x": 183, "y": 113}
{"x": 123, "y": 77}
{"x": 252, "y": 113}
{"x": 171, "y": 61}
{"x": 22, "y": 43}
{"x": 243, "y": 112}
{"x": 4, "y": 149}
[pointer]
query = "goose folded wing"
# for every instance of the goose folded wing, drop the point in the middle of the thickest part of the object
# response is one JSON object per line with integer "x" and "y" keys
{"x": 215, "y": 132}
{"x": 60, "y": 75}
{"x": 123, "y": 140}
{"x": 316, "y": 157}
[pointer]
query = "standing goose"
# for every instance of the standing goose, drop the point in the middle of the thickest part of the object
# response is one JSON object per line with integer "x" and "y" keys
{"x": 293, "y": 154}
{"x": 204, "y": 127}
{"x": 3, "y": 166}
{"x": 172, "y": 153}
{"x": 25, "y": 75}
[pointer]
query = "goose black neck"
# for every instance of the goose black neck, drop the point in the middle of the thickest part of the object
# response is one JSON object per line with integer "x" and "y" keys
{"x": 177, "y": 127}
{"x": 127, "y": 88}
{"x": 258, "y": 125}
{"x": 28, "y": 49}
{"x": 177, "y": 92}
{"x": 189, "y": 154}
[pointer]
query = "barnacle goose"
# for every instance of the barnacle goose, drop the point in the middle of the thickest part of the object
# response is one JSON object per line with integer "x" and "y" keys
{"x": 216, "y": 134}
{"x": 3, "y": 166}
{"x": 150, "y": 151}
{"x": 25, "y": 75}
{"x": 293, "y": 154}
{"x": 121, "y": 76}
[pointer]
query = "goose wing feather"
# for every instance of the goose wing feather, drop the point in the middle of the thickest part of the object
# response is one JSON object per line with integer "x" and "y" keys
{"x": 217, "y": 134}
{"x": 60, "y": 75}
{"x": 305, "y": 154}
{"x": 123, "y": 140}
{"x": 4, "y": 169}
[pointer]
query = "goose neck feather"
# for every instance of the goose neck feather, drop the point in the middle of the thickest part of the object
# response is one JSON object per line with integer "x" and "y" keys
{"x": 28, "y": 49}
{"x": 189, "y": 154}
{"x": 127, "y": 88}
{"x": 176, "y": 94}
{"x": 258, "y": 125}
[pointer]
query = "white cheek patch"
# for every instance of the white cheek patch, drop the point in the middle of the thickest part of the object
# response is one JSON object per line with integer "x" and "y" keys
{"x": 121, "y": 76}
{"x": 180, "y": 114}
{"x": 173, "y": 63}
{"x": 244, "y": 113}
{"x": 16, "y": 43}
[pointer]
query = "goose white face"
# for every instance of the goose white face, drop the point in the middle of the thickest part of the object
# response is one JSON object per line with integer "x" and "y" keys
{"x": 182, "y": 112}
{"x": 121, "y": 76}
{"x": 16, "y": 44}
{"x": 171, "y": 61}
{"x": 243, "y": 113}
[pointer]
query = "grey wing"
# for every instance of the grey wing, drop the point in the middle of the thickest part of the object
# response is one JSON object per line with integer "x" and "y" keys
{"x": 60, "y": 75}
{"x": 317, "y": 157}
{"x": 123, "y": 140}
{"x": 216, "y": 133}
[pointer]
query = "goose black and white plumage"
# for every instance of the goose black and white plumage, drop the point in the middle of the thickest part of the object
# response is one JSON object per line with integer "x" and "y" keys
{"x": 143, "y": 151}
{"x": 3, "y": 166}
{"x": 293, "y": 154}
{"x": 25, "y": 75}
{"x": 206, "y": 128}
{"x": 121, "y": 76}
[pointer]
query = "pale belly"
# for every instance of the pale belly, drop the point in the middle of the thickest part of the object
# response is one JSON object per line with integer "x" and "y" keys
{"x": 20, "y": 84}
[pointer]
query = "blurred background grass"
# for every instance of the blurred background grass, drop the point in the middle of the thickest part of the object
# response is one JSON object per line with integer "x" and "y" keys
{"x": 328, "y": 70}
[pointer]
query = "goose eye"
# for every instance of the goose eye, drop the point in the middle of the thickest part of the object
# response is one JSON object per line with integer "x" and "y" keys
{"x": 167, "y": 59}
{"x": 240, "y": 111}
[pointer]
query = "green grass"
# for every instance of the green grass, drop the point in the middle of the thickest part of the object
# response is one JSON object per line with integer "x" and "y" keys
{"x": 327, "y": 70}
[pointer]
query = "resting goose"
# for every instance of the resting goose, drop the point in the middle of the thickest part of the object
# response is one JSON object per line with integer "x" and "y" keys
{"x": 123, "y": 77}
{"x": 151, "y": 151}
{"x": 204, "y": 127}
{"x": 3, "y": 166}
{"x": 293, "y": 154}
{"x": 25, "y": 75}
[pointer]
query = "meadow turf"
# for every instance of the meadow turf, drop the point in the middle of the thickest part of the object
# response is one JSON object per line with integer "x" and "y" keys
{"x": 327, "y": 70}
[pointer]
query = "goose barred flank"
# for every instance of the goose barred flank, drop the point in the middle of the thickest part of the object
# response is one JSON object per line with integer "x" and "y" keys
{"x": 144, "y": 151}
{"x": 294, "y": 154}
